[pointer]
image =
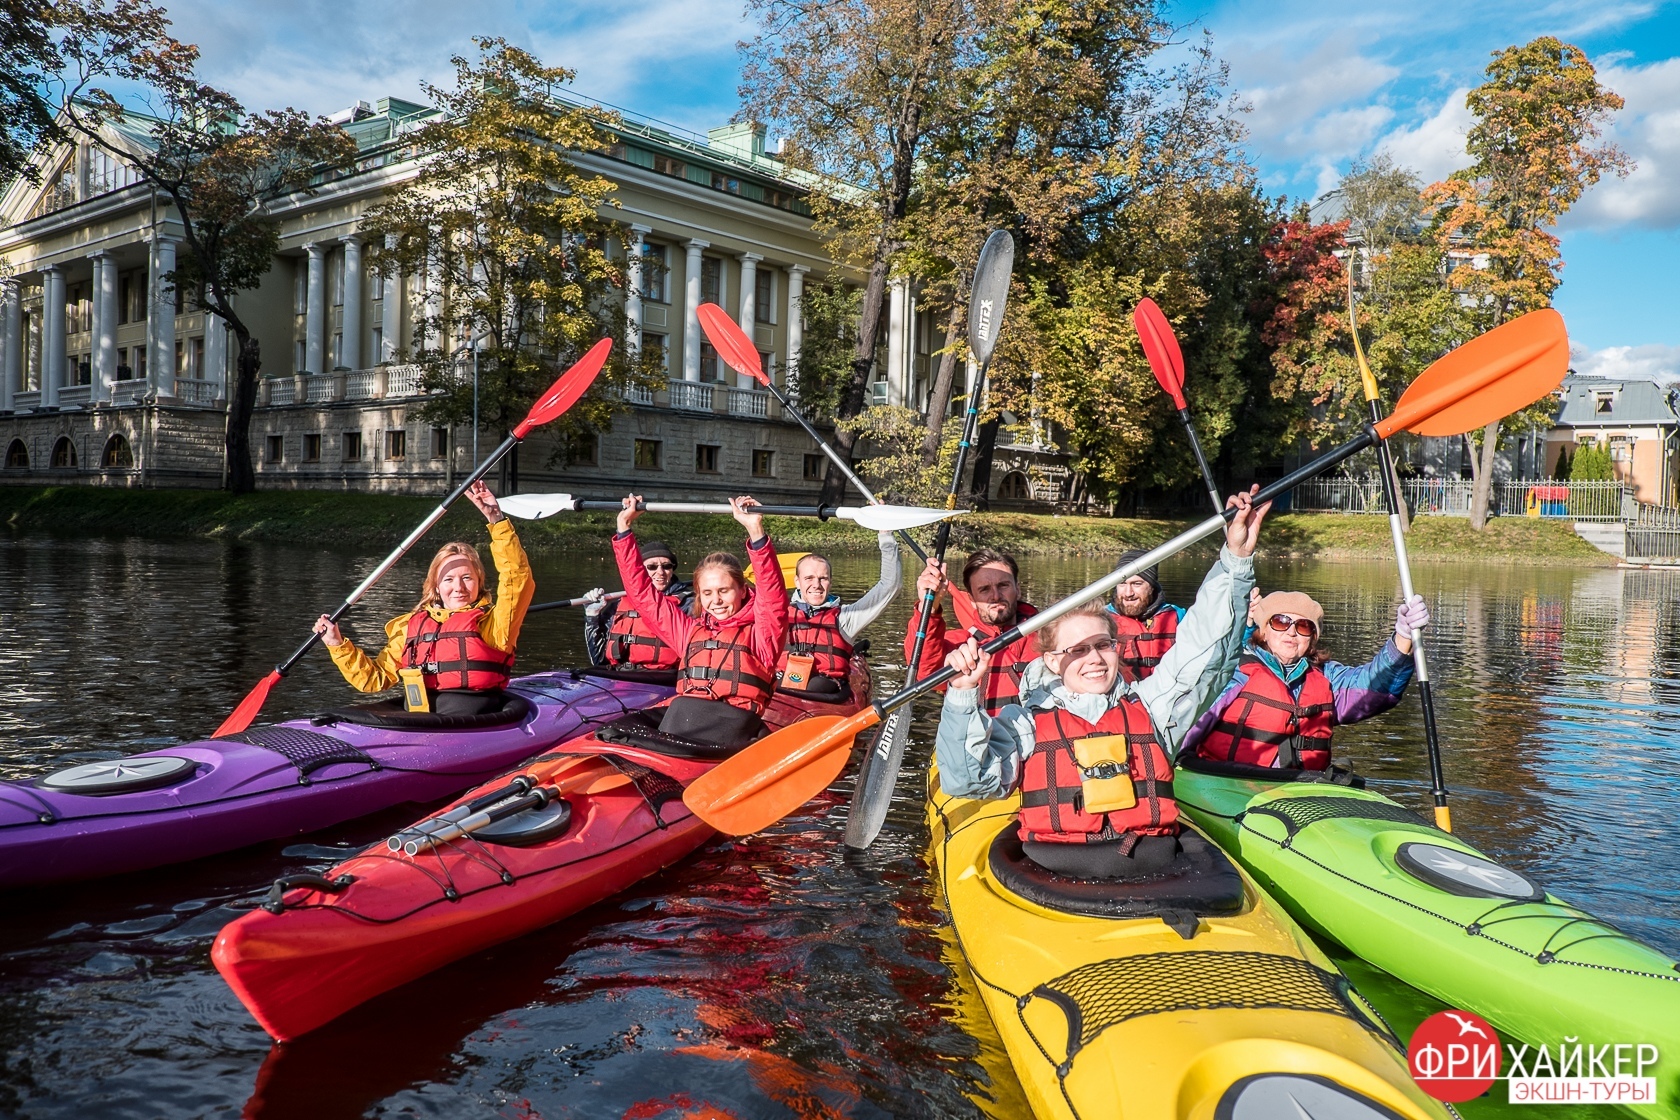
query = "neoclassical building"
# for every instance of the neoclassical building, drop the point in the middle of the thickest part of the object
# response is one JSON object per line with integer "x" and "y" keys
{"x": 109, "y": 375}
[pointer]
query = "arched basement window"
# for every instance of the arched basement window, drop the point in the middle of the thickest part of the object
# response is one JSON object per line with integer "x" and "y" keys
{"x": 64, "y": 453}
{"x": 118, "y": 456}
{"x": 17, "y": 455}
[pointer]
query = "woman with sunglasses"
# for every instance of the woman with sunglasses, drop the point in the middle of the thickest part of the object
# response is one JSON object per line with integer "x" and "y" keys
{"x": 1089, "y": 751}
{"x": 618, "y": 637}
{"x": 1287, "y": 698}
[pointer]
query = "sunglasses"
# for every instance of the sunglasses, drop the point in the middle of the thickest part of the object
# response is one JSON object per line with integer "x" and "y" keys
{"x": 1085, "y": 649}
{"x": 1282, "y": 622}
{"x": 659, "y": 566}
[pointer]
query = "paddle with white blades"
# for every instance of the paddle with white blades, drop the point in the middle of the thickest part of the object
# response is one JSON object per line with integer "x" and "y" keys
{"x": 880, "y": 518}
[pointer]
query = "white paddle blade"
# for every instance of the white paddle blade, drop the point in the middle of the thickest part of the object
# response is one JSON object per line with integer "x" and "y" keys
{"x": 894, "y": 518}
{"x": 530, "y": 507}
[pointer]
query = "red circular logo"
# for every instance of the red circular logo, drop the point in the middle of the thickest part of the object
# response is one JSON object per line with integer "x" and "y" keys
{"x": 1454, "y": 1056}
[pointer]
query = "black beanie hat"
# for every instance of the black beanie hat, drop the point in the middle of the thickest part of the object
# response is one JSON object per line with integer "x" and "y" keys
{"x": 1150, "y": 575}
{"x": 658, "y": 548}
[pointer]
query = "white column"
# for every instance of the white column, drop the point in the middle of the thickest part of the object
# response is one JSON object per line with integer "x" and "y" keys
{"x": 691, "y": 310}
{"x": 749, "y": 308}
{"x": 11, "y": 327}
{"x": 795, "y": 317}
{"x": 215, "y": 353}
{"x": 434, "y": 292}
{"x": 104, "y": 326}
{"x": 315, "y": 310}
{"x": 160, "y": 321}
{"x": 352, "y": 354}
{"x": 633, "y": 250}
{"x": 899, "y": 296}
{"x": 52, "y": 333}
{"x": 390, "y": 319}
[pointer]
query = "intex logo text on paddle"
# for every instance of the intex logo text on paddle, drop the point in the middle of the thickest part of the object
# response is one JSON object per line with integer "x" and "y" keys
{"x": 1455, "y": 1056}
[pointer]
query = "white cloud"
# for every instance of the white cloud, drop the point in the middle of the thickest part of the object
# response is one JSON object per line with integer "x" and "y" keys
{"x": 1627, "y": 363}
{"x": 1648, "y": 129}
{"x": 1434, "y": 147}
{"x": 1291, "y": 96}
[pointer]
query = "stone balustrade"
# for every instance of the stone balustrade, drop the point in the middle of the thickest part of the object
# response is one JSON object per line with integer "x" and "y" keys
{"x": 379, "y": 383}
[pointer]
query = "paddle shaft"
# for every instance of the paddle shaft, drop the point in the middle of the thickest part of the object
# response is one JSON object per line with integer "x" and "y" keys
{"x": 821, "y": 513}
{"x": 835, "y": 457}
{"x": 1154, "y": 556}
{"x": 409, "y": 541}
{"x": 1201, "y": 459}
{"x": 971, "y": 419}
{"x": 583, "y": 602}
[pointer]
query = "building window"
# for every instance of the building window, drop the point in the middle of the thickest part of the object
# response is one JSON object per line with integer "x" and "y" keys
{"x": 312, "y": 448}
{"x": 335, "y": 277}
{"x": 378, "y": 351}
{"x": 711, "y": 280}
{"x": 276, "y": 449}
{"x": 665, "y": 165}
{"x": 139, "y": 355}
{"x": 17, "y": 455}
{"x": 706, "y": 458}
{"x": 582, "y": 450}
{"x": 396, "y": 443}
{"x": 722, "y": 182}
{"x": 813, "y": 466}
{"x": 118, "y": 455}
{"x": 338, "y": 350}
{"x": 764, "y": 297}
{"x": 711, "y": 366}
{"x": 1015, "y": 487}
{"x": 440, "y": 443}
{"x": 297, "y": 359}
{"x": 64, "y": 453}
{"x": 764, "y": 463}
{"x": 125, "y": 372}
{"x": 654, "y": 349}
{"x": 352, "y": 445}
{"x": 654, "y": 272}
{"x": 1604, "y": 402}
{"x": 647, "y": 454}
{"x": 195, "y": 360}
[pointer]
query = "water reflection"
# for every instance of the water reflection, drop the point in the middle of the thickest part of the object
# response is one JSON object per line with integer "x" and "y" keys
{"x": 774, "y": 976}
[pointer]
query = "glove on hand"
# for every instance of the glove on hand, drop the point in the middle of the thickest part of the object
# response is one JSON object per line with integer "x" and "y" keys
{"x": 1412, "y": 616}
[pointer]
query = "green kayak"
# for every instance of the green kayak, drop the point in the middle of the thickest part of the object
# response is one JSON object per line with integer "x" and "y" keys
{"x": 1431, "y": 910}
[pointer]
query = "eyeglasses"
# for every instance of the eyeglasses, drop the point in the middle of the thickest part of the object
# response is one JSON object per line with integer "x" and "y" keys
{"x": 657, "y": 566}
{"x": 1282, "y": 622}
{"x": 1086, "y": 649}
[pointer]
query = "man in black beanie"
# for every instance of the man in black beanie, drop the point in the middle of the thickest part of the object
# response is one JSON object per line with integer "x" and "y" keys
{"x": 617, "y": 637}
{"x": 1146, "y": 623}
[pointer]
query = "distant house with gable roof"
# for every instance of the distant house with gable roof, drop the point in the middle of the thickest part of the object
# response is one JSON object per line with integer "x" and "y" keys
{"x": 1638, "y": 421}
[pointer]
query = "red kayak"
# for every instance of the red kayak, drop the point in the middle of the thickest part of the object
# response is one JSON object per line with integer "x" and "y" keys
{"x": 609, "y": 813}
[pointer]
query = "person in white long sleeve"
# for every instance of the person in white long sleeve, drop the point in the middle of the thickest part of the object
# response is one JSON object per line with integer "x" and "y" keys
{"x": 822, "y": 633}
{"x": 1089, "y": 752}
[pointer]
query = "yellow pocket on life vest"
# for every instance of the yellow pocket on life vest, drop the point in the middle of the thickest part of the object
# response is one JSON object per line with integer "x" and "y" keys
{"x": 414, "y": 690}
{"x": 1105, "y": 773}
{"x": 800, "y": 668}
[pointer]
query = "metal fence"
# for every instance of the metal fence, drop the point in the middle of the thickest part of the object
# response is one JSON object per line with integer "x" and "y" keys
{"x": 1450, "y": 497}
{"x": 1653, "y": 546}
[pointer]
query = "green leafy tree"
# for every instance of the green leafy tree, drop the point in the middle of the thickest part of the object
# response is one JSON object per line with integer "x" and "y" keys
{"x": 28, "y": 60}
{"x": 507, "y": 233}
{"x": 222, "y": 170}
{"x": 829, "y": 314}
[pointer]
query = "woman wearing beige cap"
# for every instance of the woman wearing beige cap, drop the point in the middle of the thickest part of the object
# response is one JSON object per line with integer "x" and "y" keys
{"x": 1286, "y": 699}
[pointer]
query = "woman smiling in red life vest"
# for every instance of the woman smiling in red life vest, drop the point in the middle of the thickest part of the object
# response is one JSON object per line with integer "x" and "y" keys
{"x": 1286, "y": 697}
{"x": 731, "y": 638}
{"x": 1088, "y": 750}
{"x": 455, "y": 647}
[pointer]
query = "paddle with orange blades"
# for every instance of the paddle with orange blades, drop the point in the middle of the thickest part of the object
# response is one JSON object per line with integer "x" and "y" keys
{"x": 878, "y": 773}
{"x": 1160, "y": 346}
{"x": 1420, "y": 664}
{"x": 564, "y": 393}
{"x": 740, "y": 355}
{"x": 1487, "y": 378}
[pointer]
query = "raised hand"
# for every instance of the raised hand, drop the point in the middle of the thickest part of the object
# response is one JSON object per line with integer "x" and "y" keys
{"x": 971, "y": 663}
{"x": 752, "y": 522}
{"x": 1244, "y": 528}
{"x": 479, "y": 495}
{"x": 632, "y": 510}
{"x": 329, "y": 631}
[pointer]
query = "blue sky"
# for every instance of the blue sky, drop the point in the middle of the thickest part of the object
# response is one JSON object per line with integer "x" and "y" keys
{"x": 1326, "y": 83}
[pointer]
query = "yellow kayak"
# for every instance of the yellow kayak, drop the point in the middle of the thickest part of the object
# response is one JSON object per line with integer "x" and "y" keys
{"x": 1125, "y": 1018}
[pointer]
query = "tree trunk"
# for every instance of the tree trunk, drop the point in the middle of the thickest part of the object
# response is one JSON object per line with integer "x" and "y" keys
{"x": 863, "y": 363}
{"x": 238, "y": 475}
{"x": 513, "y": 468}
{"x": 1481, "y": 470}
{"x": 980, "y": 483}
{"x": 939, "y": 393}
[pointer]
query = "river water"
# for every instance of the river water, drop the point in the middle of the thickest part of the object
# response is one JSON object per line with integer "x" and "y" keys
{"x": 775, "y": 976}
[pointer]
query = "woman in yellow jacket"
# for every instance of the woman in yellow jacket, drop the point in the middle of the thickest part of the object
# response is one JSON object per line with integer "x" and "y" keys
{"x": 453, "y": 652}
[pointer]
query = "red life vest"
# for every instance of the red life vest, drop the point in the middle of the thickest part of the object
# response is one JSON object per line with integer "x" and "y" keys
{"x": 1265, "y": 725}
{"x": 1144, "y": 641}
{"x": 817, "y": 635}
{"x": 1052, "y": 781}
{"x": 1003, "y": 682}
{"x": 631, "y": 641}
{"x": 720, "y": 665}
{"x": 452, "y": 654}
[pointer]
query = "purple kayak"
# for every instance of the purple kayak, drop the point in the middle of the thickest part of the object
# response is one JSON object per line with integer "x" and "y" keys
{"x": 278, "y": 780}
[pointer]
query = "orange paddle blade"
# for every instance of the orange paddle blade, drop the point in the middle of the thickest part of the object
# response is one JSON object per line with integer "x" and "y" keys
{"x": 776, "y": 775}
{"x": 566, "y": 390}
{"x": 1160, "y": 346}
{"x": 240, "y": 718}
{"x": 1486, "y": 379}
{"x": 731, "y": 342}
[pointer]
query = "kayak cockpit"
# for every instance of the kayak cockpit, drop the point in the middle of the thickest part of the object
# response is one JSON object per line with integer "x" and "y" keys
{"x": 1201, "y": 882}
{"x": 391, "y": 714}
